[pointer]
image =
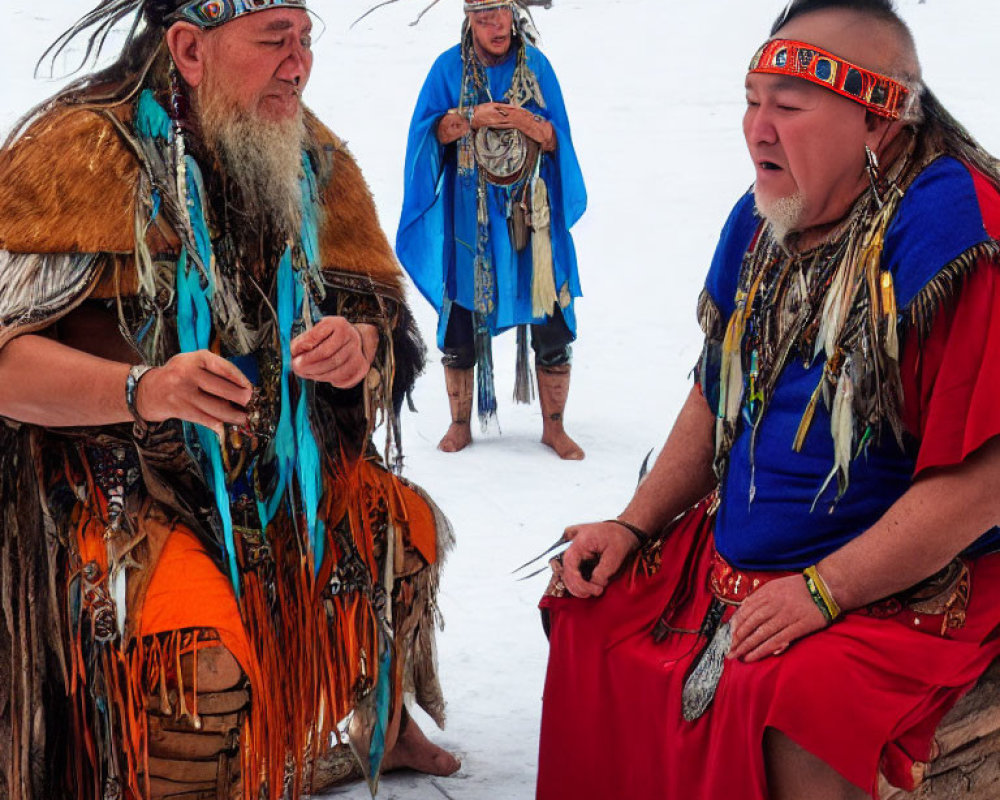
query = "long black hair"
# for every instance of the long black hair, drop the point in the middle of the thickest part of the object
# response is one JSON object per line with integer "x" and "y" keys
{"x": 884, "y": 10}
{"x": 143, "y": 53}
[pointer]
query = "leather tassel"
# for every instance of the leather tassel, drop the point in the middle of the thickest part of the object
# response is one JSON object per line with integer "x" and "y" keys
{"x": 524, "y": 384}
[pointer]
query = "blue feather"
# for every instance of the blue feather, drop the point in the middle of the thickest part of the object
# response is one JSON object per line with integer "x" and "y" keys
{"x": 376, "y": 751}
{"x": 296, "y": 449}
{"x": 151, "y": 121}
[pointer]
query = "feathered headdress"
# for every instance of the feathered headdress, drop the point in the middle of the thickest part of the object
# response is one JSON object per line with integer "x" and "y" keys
{"x": 521, "y": 8}
{"x": 155, "y": 14}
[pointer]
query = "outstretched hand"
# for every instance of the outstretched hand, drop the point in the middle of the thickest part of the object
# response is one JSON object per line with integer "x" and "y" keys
{"x": 597, "y": 548}
{"x": 773, "y": 617}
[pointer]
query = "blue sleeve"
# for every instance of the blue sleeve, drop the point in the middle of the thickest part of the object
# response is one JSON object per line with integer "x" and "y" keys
{"x": 734, "y": 241}
{"x": 425, "y": 217}
{"x": 718, "y": 300}
{"x": 562, "y": 174}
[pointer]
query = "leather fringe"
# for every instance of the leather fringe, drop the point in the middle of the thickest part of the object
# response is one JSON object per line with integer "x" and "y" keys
{"x": 944, "y": 288}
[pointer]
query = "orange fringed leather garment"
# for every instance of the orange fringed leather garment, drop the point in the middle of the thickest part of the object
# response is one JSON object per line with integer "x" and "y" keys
{"x": 69, "y": 199}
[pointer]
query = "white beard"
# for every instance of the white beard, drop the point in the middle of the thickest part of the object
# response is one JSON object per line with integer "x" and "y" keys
{"x": 784, "y": 213}
{"x": 262, "y": 157}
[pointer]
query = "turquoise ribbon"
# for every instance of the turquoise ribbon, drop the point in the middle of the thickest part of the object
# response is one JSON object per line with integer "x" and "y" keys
{"x": 295, "y": 447}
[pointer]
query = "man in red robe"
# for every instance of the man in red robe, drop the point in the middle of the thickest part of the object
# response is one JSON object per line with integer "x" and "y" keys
{"x": 809, "y": 577}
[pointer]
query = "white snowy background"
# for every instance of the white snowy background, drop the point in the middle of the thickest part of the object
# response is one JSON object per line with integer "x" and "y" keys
{"x": 654, "y": 90}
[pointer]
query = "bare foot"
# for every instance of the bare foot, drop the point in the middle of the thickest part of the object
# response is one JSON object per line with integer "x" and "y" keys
{"x": 457, "y": 437}
{"x": 415, "y": 751}
{"x": 565, "y": 448}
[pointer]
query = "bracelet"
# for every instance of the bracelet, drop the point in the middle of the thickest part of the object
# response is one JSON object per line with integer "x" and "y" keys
{"x": 821, "y": 594}
{"x": 635, "y": 530}
{"x": 135, "y": 374}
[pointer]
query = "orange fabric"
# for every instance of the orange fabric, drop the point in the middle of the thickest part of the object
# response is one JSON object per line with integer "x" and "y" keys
{"x": 407, "y": 508}
{"x": 422, "y": 529}
{"x": 189, "y": 591}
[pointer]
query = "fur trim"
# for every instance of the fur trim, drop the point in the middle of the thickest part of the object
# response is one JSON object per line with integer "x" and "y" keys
{"x": 88, "y": 202}
{"x": 710, "y": 317}
{"x": 68, "y": 185}
{"x": 40, "y": 288}
{"x": 410, "y": 355}
{"x": 944, "y": 288}
{"x": 351, "y": 238}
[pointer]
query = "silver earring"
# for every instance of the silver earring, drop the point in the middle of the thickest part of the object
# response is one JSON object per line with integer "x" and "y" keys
{"x": 874, "y": 176}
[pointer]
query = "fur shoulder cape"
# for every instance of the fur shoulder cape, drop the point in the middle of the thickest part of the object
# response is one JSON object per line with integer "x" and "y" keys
{"x": 69, "y": 184}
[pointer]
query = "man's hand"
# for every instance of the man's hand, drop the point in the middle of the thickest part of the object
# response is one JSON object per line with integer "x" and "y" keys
{"x": 452, "y": 127}
{"x": 503, "y": 115}
{"x": 494, "y": 115}
{"x": 335, "y": 351}
{"x": 196, "y": 387}
{"x": 605, "y": 543}
{"x": 773, "y": 617}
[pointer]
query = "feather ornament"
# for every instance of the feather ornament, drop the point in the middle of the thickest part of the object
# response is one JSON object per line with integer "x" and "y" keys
{"x": 842, "y": 430}
{"x": 806, "y": 422}
{"x": 543, "y": 281}
{"x": 889, "y": 315}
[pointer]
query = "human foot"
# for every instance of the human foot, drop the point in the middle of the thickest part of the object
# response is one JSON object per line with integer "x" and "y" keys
{"x": 565, "y": 447}
{"x": 415, "y": 751}
{"x": 457, "y": 437}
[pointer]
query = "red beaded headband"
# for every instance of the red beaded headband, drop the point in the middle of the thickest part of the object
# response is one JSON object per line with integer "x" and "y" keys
{"x": 879, "y": 94}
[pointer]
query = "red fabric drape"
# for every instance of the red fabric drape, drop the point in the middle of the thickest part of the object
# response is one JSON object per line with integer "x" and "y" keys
{"x": 861, "y": 693}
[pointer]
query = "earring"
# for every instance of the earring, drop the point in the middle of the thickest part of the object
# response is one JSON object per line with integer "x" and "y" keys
{"x": 178, "y": 97}
{"x": 874, "y": 176}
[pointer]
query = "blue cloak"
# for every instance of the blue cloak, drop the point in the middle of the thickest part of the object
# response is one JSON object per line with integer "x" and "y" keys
{"x": 436, "y": 240}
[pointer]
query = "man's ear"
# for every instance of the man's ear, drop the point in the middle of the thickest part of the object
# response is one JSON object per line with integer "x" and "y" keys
{"x": 881, "y": 131}
{"x": 186, "y": 43}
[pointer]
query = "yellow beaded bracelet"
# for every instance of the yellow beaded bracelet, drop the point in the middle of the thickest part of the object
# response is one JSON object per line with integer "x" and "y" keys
{"x": 821, "y": 594}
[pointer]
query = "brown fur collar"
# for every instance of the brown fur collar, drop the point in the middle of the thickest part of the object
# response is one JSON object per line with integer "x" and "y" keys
{"x": 351, "y": 238}
{"x": 70, "y": 184}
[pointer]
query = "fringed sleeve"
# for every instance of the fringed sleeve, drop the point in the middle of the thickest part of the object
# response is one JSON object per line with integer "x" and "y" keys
{"x": 951, "y": 379}
{"x": 707, "y": 371}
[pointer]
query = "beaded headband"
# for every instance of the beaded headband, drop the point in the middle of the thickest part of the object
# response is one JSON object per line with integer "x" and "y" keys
{"x": 487, "y": 5}
{"x": 879, "y": 94}
{"x": 212, "y": 13}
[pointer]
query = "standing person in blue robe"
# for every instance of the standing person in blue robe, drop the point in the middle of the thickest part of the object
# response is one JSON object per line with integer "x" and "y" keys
{"x": 492, "y": 187}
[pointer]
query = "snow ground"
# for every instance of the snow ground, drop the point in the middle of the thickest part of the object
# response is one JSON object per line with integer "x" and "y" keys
{"x": 654, "y": 91}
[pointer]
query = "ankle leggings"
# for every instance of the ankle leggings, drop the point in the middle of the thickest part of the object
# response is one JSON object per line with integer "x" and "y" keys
{"x": 550, "y": 340}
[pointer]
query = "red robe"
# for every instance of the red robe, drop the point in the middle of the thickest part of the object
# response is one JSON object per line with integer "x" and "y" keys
{"x": 864, "y": 695}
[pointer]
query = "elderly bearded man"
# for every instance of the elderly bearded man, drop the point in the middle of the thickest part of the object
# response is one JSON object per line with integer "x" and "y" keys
{"x": 492, "y": 187}
{"x": 209, "y": 575}
{"x": 833, "y": 584}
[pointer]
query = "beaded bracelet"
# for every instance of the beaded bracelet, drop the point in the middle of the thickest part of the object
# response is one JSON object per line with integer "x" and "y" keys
{"x": 821, "y": 594}
{"x": 636, "y": 531}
